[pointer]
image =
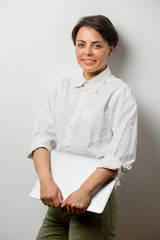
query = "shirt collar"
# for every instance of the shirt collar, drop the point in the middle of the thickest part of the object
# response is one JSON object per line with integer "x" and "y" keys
{"x": 96, "y": 82}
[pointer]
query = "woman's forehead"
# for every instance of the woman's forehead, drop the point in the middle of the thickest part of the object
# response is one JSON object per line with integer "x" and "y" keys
{"x": 86, "y": 33}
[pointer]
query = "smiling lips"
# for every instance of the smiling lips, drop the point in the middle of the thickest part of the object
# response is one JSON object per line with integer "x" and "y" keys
{"x": 88, "y": 61}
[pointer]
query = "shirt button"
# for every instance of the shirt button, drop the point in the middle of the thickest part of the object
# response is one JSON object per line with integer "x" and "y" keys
{"x": 70, "y": 127}
{"x": 85, "y": 90}
{"x": 67, "y": 146}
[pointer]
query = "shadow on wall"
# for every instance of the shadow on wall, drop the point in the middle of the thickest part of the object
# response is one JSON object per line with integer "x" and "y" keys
{"x": 138, "y": 197}
{"x": 117, "y": 61}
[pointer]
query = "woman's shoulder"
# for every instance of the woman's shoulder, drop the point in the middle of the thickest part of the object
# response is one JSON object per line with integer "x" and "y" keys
{"x": 60, "y": 82}
{"x": 121, "y": 89}
{"x": 118, "y": 82}
{"x": 63, "y": 83}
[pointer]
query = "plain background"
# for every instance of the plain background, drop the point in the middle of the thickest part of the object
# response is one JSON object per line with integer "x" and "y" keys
{"x": 35, "y": 50}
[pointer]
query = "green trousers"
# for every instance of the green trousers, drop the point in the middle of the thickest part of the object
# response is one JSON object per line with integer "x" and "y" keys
{"x": 62, "y": 225}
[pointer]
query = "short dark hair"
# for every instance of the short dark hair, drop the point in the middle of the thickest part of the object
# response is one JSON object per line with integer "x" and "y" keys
{"x": 101, "y": 24}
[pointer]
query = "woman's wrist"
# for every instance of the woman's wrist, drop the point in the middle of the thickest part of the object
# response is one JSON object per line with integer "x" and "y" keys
{"x": 42, "y": 164}
{"x": 44, "y": 178}
{"x": 86, "y": 188}
{"x": 97, "y": 178}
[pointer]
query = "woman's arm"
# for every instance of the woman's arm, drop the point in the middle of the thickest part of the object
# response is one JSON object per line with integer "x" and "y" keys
{"x": 50, "y": 194}
{"x": 97, "y": 178}
{"x": 78, "y": 201}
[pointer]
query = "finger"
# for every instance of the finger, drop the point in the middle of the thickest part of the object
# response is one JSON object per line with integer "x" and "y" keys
{"x": 56, "y": 203}
{"x": 60, "y": 197}
{"x": 69, "y": 209}
{"x": 44, "y": 201}
{"x": 51, "y": 204}
{"x": 48, "y": 203}
{"x": 64, "y": 204}
{"x": 78, "y": 211}
{"x": 82, "y": 211}
{"x": 75, "y": 210}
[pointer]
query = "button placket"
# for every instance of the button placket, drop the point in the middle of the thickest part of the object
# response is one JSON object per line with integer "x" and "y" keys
{"x": 73, "y": 120}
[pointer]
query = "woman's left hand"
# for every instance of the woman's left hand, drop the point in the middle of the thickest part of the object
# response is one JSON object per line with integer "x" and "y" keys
{"x": 78, "y": 201}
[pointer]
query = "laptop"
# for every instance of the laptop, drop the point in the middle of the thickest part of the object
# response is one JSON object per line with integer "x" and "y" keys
{"x": 69, "y": 171}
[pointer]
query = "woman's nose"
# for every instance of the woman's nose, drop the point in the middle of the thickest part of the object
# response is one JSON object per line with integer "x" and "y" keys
{"x": 88, "y": 51}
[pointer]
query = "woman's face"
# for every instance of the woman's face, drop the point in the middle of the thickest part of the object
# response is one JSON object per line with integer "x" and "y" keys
{"x": 92, "y": 51}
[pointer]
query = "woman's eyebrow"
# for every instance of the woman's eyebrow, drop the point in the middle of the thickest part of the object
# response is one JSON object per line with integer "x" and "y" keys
{"x": 98, "y": 42}
{"x": 92, "y": 42}
{"x": 80, "y": 41}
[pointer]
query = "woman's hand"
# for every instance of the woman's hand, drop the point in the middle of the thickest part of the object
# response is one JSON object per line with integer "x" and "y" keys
{"x": 78, "y": 201}
{"x": 50, "y": 194}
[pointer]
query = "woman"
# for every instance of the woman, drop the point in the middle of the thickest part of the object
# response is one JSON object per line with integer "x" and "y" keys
{"x": 94, "y": 114}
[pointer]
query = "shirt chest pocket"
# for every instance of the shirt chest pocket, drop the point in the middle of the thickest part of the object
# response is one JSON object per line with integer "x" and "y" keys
{"x": 93, "y": 126}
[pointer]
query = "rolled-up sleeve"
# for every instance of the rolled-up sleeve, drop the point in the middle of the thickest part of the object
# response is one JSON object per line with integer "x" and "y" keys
{"x": 44, "y": 133}
{"x": 123, "y": 114}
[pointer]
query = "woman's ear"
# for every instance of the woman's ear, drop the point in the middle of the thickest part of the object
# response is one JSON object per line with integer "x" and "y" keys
{"x": 111, "y": 49}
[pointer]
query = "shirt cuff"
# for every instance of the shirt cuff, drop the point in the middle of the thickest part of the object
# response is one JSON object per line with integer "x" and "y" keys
{"x": 37, "y": 143}
{"x": 110, "y": 162}
{"x": 113, "y": 163}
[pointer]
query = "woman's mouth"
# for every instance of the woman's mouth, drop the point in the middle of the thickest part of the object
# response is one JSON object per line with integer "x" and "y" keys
{"x": 88, "y": 61}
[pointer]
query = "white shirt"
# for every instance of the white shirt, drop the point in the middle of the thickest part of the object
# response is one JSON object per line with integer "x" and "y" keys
{"x": 96, "y": 117}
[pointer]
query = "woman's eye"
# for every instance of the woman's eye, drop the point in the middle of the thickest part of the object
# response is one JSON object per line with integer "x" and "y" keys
{"x": 80, "y": 45}
{"x": 97, "y": 46}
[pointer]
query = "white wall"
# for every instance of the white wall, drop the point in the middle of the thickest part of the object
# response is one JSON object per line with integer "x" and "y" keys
{"x": 35, "y": 49}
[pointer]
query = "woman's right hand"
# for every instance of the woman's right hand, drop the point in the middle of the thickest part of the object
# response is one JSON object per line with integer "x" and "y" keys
{"x": 50, "y": 194}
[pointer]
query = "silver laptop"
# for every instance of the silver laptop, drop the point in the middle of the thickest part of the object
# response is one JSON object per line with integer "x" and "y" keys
{"x": 69, "y": 171}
